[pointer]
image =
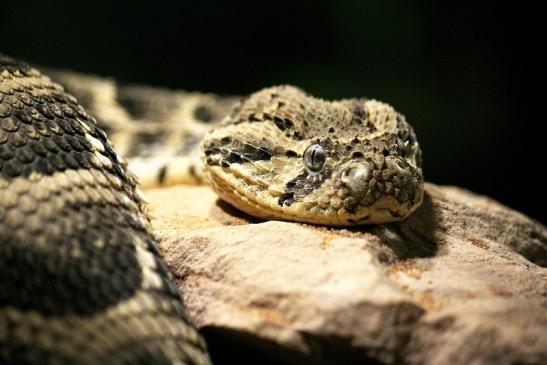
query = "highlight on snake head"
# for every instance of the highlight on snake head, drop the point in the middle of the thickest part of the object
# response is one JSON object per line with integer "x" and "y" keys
{"x": 282, "y": 154}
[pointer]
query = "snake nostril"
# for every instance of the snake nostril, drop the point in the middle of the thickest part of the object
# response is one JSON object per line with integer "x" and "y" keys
{"x": 354, "y": 172}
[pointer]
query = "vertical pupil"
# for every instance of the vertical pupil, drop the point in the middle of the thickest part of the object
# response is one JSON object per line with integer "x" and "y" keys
{"x": 314, "y": 158}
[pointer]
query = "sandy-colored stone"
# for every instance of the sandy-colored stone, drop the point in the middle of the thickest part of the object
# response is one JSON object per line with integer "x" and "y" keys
{"x": 462, "y": 281}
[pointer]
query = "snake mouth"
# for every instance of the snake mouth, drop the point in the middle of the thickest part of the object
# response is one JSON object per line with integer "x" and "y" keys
{"x": 384, "y": 210}
{"x": 327, "y": 207}
{"x": 373, "y": 189}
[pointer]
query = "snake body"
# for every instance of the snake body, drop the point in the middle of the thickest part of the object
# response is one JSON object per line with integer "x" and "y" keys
{"x": 81, "y": 277}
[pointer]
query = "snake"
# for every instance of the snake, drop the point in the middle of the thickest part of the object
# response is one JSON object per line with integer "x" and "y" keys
{"x": 82, "y": 280}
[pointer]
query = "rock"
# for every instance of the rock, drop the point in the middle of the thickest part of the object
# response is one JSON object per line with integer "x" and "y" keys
{"x": 462, "y": 281}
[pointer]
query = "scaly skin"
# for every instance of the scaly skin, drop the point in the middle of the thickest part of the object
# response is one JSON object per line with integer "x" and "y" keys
{"x": 254, "y": 157}
{"x": 81, "y": 280}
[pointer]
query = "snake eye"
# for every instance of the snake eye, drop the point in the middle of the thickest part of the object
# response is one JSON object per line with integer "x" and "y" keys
{"x": 314, "y": 158}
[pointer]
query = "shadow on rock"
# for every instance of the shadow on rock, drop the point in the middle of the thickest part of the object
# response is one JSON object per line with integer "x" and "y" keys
{"x": 227, "y": 346}
{"x": 413, "y": 237}
{"x": 230, "y": 215}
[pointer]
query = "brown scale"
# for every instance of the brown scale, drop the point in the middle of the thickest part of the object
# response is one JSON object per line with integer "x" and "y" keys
{"x": 78, "y": 263}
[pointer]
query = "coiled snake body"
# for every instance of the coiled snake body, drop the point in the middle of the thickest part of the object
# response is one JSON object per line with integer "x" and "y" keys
{"x": 81, "y": 279}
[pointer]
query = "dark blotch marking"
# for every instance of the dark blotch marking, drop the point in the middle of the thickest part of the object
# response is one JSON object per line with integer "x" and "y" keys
{"x": 54, "y": 283}
{"x": 355, "y": 141}
{"x": 283, "y": 124}
{"x": 358, "y": 110}
{"x": 302, "y": 186}
{"x": 298, "y": 135}
{"x": 286, "y": 199}
{"x": 192, "y": 172}
{"x": 72, "y": 276}
{"x": 253, "y": 153}
{"x": 147, "y": 138}
{"x": 235, "y": 154}
{"x": 225, "y": 140}
{"x": 291, "y": 184}
{"x": 291, "y": 153}
{"x": 331, "y": 129}
{"x": 203, "y": 114}
{"x": 357, "y": 155}
{"x": 211, "y": 150}
{"x": 233, "y": 157}
{"x": 130, "y": 103}
{"x": 400, "y": 148}
{"x": 22, "y": 157}
{"x": 161, "y": 174}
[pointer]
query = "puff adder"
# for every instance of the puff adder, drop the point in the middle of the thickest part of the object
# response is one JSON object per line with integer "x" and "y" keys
{"x": 81, "y": 279}
{"x": 256, "y": 152}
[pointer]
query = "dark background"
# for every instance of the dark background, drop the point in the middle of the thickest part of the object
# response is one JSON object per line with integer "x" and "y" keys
{"x": 465, "y": 76}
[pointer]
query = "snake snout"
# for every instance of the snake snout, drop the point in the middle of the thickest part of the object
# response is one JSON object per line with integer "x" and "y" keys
{"x": 403, "y": 181}
{"x": 355, "y": 177}
{"x": 382, "y": 178}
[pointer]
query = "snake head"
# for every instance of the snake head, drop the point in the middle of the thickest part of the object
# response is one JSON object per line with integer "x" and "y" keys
{"x": 282, "y": 154}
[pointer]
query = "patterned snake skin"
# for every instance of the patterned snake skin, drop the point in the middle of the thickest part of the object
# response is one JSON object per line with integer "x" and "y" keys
{"x": 81, "y": 278}
{"x": 277, "y": 154}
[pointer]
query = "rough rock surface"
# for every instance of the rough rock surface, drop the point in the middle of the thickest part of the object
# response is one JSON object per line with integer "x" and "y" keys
{"x": 462, "y": 281}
